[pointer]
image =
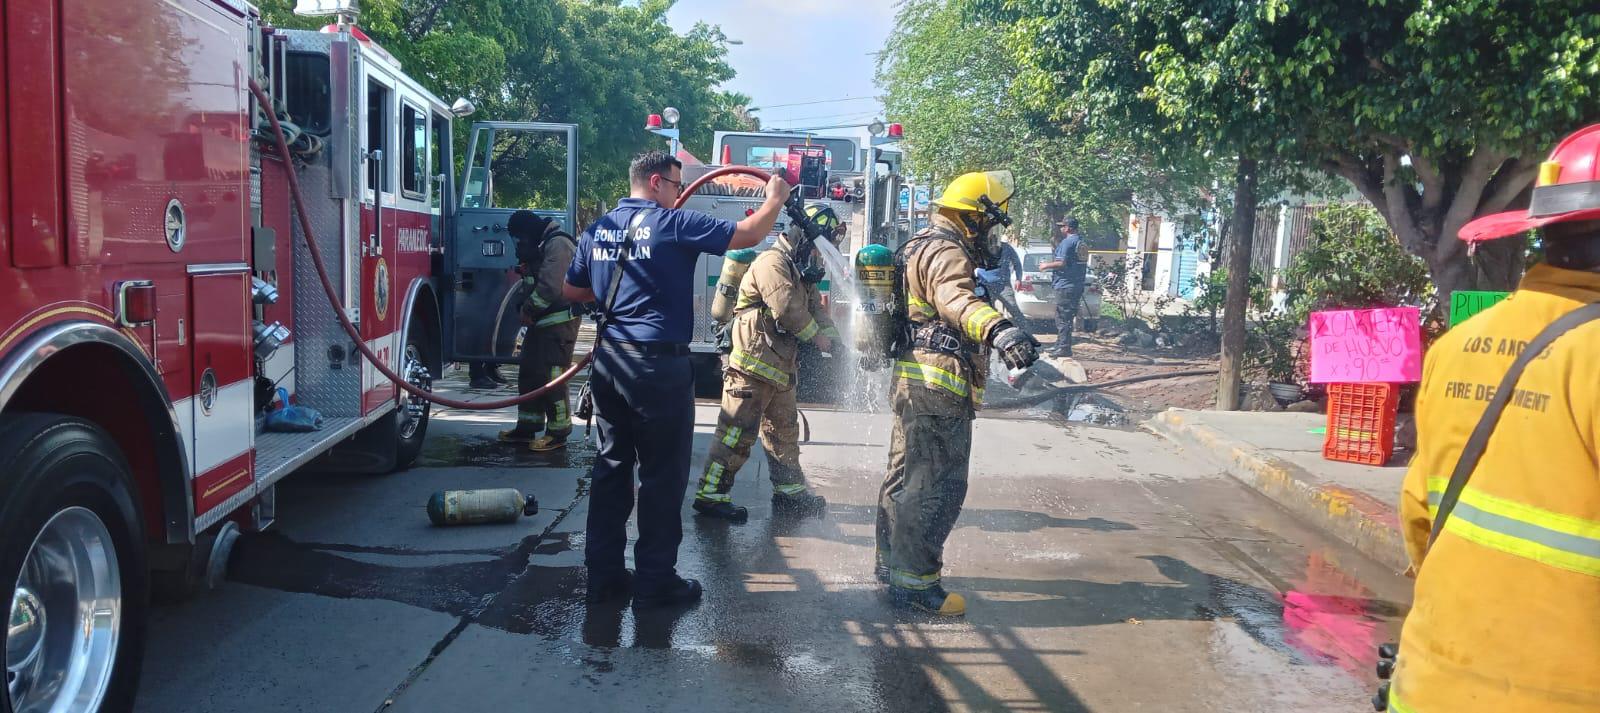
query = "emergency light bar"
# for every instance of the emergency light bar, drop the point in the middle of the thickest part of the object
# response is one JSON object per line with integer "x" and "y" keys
{"x": 319, "y": 8}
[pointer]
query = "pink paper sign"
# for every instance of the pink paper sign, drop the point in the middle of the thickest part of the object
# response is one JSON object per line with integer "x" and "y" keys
{"x": 1379, "y": 345}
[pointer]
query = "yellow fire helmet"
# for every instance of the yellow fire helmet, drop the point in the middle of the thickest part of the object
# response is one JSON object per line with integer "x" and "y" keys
{"x": 825, "y": 218}
{"x": 962, "y": 194}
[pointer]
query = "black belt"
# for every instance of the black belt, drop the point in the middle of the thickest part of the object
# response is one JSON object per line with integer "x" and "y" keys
{"x": 649, "y": 348}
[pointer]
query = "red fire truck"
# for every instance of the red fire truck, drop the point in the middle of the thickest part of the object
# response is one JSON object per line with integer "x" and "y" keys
{"x": 157, "y": 297}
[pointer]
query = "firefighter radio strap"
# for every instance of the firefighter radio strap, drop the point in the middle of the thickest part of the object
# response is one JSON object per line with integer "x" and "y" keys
{"x": 585, "y": 406}
{"x": 1479, "y": 440}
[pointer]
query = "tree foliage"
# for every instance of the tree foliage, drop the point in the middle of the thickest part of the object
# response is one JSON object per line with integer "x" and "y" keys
{"x": 1435, "y": 111}
{"x": 950, "y": 80}
{"x": 1353, "y": 261}
{"x": 601, "y": 64}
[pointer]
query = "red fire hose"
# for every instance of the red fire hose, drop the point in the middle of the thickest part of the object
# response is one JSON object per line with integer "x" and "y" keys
{"x": 355, "y": 335}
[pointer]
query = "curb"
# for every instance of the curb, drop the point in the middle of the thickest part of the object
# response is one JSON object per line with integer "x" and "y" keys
{"x": 1363, "y": 522}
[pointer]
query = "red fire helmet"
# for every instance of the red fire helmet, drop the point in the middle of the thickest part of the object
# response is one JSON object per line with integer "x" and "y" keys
{"x": 1568, "y": 189}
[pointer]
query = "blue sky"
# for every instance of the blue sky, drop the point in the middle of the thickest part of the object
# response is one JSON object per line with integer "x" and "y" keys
{"x": 799, "y": 52}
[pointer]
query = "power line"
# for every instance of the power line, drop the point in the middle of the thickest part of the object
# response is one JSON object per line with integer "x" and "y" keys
{"x": 820, "y": 128}
{"x": 846, "y": 115}
{"x": 811, "y": 103}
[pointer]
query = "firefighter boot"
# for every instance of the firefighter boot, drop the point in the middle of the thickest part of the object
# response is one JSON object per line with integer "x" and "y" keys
{"x": 523, "y": 433}
{"x": 801, "y": 504}
{"x": 721, "y": 510}
{"x": 478, "y": 376}
{"x": 933, "y": 600}
{"x": 547, "y": 443}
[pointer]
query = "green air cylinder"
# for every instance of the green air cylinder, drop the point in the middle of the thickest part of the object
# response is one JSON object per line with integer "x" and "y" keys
{"x": 734, "y": 265}
{"x": 476, "y": 507}
{"x": 874, "y": 329}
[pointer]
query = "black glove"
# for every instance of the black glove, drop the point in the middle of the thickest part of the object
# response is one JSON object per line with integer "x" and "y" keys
{"x": 812, "y": 275}
{"x": 1018, "y": 349}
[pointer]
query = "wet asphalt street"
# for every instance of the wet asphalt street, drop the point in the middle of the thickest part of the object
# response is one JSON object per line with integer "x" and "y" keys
{"x": 1105, "y": 569}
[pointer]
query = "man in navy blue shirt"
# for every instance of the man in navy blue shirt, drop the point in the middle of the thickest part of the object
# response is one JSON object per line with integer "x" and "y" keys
{"x": 1070, "y": 274}
{"x": 642, "y": 381}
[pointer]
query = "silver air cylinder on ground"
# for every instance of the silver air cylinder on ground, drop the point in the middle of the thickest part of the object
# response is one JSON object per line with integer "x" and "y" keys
{"x": 734, "y": 265}
{"x": 476, "y": 507}
{"x": 875, "y": 327}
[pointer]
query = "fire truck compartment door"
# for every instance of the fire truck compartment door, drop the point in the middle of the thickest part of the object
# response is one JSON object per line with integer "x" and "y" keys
{"x": 511, "y": 166}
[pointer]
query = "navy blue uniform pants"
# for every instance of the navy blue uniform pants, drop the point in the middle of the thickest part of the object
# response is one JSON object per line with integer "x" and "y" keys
{"x": 1067, "y": 299}
{"x": 644, "y": 407}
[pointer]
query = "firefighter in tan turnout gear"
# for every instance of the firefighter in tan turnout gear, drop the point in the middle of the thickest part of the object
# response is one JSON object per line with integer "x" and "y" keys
{"x": 940, "y": 363}
{"x": 543, "y": 253}
{"x": 779, "y": 307}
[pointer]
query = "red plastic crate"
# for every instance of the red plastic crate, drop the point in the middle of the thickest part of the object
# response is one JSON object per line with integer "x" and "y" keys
{"x": 1361, "y": 423}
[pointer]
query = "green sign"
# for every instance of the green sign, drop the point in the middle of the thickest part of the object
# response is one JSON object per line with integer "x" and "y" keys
{"x": 1465, "y": 303}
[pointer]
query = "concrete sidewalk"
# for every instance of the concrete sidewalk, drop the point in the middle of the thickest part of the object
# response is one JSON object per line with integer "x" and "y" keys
{"x": 1280, "y": 455}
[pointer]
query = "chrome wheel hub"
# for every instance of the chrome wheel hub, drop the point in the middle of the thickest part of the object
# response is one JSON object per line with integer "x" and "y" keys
{"x": 415, "y": 409}
{"x": 66, "y": 614}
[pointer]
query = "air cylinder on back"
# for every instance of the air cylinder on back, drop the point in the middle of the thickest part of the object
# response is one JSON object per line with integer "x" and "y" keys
{"x": 734, "y": 265}
{"x": 874, "y": 332}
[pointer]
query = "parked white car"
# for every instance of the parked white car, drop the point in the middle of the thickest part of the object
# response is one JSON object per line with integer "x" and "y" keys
{"x": 1037, "y": 299}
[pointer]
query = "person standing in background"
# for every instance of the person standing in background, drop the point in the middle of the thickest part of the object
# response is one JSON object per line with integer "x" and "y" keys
{"x": 1070, "y": 268}
{"x": 544, "y": 251}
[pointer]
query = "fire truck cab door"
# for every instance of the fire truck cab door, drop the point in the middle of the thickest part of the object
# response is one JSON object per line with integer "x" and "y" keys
{"x": 510, "y": 166}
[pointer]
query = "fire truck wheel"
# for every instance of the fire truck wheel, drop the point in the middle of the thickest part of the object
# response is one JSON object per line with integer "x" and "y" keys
{"x": 411, "y": 419}
{"x": 72, "y": 545}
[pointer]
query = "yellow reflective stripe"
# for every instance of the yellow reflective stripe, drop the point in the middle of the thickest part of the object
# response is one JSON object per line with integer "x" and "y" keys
{"x": 917, "y": 371}
{"x": 711, "y": 482}
{"x": 748, "y": 362}
{"x": 537, "y": 301}
{"x": 562, "y": 317}
{"x": 1396, "y": 705}
{"x": 915, "y": 303}
{"x": 1436, "y": 488}
{"x": 830, "y": 332}
{"x": 1544, "y": 536}
{"x": 731, "y": 436}
{"x": 978, "y": 322}
{"x": 563, "y": 419}
{"x": 810, "y": 331}
{"x": 907, "y": 580}
{"x": 1547, "y": 519}
{"x": 791, "y": 489}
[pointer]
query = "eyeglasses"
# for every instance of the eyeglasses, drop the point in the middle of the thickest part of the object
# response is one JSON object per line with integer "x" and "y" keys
{"x": 678, "y": 184}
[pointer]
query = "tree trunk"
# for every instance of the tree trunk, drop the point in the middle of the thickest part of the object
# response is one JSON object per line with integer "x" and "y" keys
{"x": 1237, "y": 301}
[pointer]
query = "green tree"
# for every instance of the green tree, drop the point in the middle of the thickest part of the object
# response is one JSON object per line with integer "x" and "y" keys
{"x": 1436, "y": 112}
{"x": 1164, "y": 74}
{"x": 1353, "y": 261}
{"x": 600, "y": 64}
{"x": 949, "y": 80}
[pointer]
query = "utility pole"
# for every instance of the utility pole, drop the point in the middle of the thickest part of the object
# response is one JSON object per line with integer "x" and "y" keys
{"x": 1237, "y": 300}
